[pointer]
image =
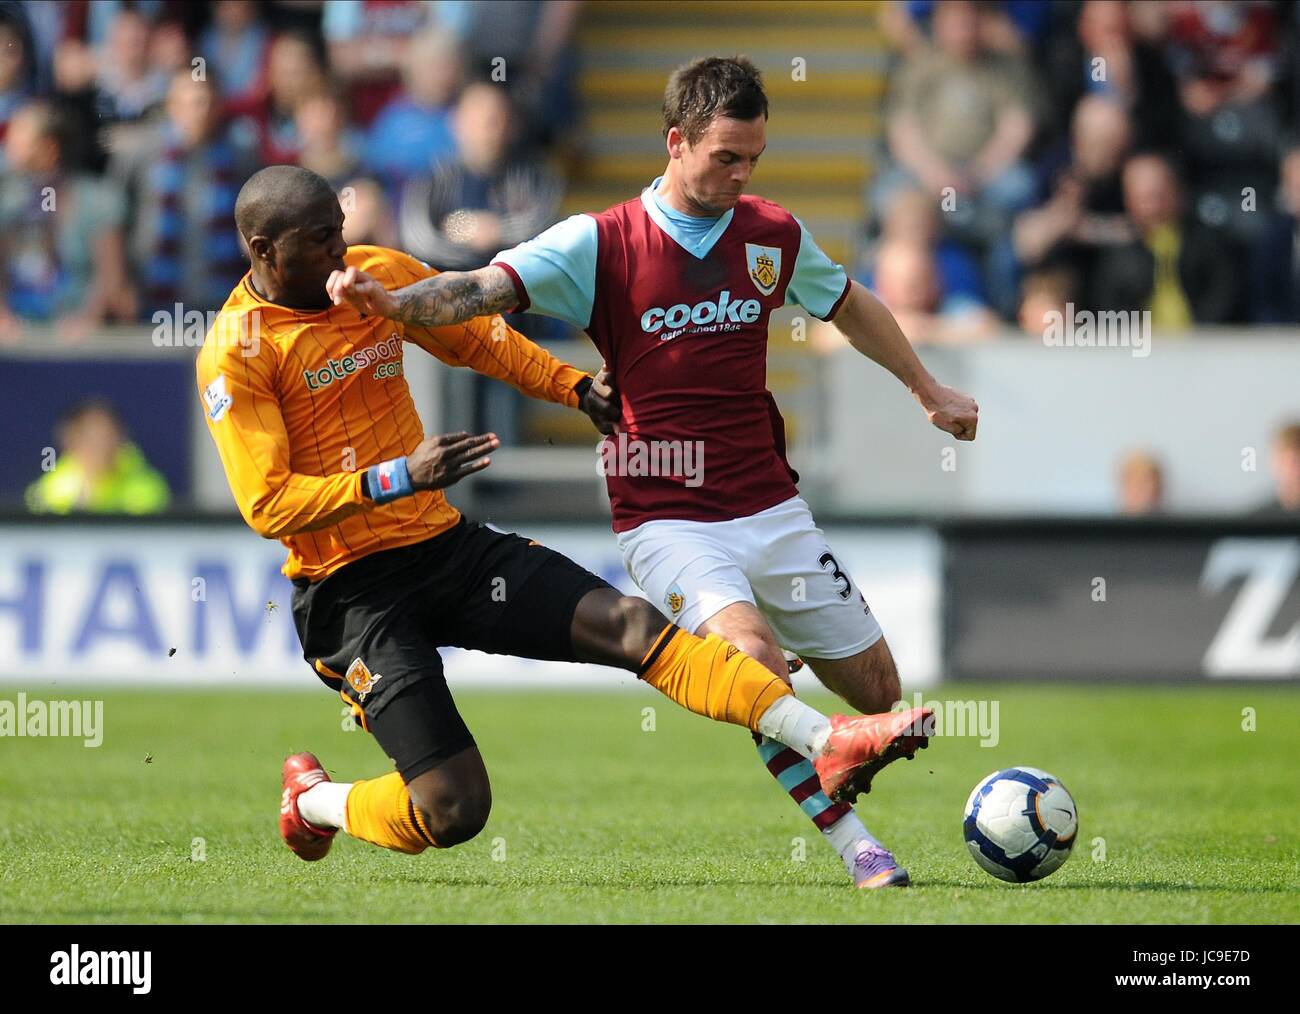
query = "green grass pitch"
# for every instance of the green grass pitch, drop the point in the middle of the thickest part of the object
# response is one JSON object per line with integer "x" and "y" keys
{"x": 596, "y": 820}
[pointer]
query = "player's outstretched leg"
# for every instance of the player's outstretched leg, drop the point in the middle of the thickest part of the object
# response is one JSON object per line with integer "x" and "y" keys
{"x": 716, "y": 679}
{"x": 867, "y": 861}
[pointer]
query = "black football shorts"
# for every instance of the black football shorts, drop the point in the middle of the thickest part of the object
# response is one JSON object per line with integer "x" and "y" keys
{"x": 371, "y": 630}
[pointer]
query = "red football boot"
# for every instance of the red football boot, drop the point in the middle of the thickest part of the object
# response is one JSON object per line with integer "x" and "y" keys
{"x": 300, "y": 772}
{"x": 860, "y": 746}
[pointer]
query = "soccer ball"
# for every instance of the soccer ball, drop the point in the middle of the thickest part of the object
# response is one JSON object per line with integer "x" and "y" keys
{"x": 1020, "y": 824}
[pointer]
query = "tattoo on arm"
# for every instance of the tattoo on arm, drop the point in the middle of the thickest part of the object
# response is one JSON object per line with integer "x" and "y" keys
{"x": 456, "y": 296}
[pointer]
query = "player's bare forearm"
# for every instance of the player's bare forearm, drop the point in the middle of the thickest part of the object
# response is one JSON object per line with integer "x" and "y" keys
{"x": 455, "y": 296}
{"x": 452, "y": 297}
{"x": 871, "y": 329}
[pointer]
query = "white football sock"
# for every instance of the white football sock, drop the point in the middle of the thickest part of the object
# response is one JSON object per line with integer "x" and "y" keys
{"x": 326, "y": 805}
{"x": 848, "y": 835}
{"x": 801, "y": 728}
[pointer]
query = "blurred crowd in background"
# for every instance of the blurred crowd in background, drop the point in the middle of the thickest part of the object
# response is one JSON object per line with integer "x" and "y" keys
{"x": 438, "y": 123}
{"x": 1107, "y": 155}
{"x": 1104, "y": 154}
{"x": 1037, "y": 157}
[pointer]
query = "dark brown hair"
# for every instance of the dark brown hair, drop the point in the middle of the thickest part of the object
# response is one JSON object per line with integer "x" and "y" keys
{"x": 712, "y": 86}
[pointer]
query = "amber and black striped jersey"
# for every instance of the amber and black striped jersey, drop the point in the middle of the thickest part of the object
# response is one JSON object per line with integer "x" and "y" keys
{"x": 300, "y": 403}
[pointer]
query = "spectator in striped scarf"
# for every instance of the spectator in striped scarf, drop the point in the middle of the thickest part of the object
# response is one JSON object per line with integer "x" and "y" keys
{"x": 181, "y": 180}
{"x": 265, "y": 119}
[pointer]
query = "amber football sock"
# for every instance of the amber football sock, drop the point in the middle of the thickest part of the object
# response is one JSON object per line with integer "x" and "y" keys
{"x": 711, "y": 677}
{"x": 380, "y": 811}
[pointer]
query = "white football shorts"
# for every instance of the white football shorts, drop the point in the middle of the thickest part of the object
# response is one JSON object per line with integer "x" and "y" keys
{"x": 777, "y": 560}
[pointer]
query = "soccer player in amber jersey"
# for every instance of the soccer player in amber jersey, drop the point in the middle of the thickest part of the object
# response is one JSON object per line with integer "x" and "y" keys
{"x": 675, "y": 288}
{"x": 323, "y": 450}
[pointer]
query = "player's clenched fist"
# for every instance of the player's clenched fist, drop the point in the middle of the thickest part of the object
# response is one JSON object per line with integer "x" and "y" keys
{"x": 445, "y": 459}
{"x": 952, "y": 412}
{"x": 602, "y": 403}
{"x": 362, "y": 291}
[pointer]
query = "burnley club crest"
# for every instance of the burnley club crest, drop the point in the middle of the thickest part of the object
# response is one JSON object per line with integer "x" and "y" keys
{"x": 764, "y": 263}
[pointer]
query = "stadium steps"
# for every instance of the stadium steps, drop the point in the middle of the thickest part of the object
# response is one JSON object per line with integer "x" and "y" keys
{"x": 823, "y": 128}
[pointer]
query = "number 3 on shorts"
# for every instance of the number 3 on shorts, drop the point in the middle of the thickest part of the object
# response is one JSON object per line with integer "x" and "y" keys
{"x": 828, "y": 562}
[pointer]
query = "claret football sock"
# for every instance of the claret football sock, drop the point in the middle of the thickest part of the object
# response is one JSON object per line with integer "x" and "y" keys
{"x": 380, "y": 811}
{"x": 713, "y": 678}
{"x": 837, "y": 822}
{"x": 325, "y": 805}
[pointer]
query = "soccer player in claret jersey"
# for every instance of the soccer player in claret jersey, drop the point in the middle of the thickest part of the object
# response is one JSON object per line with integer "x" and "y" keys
{"x": 675, "y": 288}
{"x": 323, "y": 449}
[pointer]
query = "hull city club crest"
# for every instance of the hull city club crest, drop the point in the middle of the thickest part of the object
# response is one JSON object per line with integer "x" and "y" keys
{"x": 764, "y": 263}
{"x": 360, "y": 678}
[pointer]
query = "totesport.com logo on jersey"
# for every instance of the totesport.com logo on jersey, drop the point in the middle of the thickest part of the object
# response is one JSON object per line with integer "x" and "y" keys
{"x": 722, "y": 310}
{"x": 359, "y": 359}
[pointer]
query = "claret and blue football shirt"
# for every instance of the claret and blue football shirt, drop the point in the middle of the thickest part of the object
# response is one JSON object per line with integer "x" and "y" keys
{"x": 678, "y": 306}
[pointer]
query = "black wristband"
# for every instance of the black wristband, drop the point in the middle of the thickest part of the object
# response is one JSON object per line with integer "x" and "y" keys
{"x": 365, "y": 485}
{"x": 582, "y": 387}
